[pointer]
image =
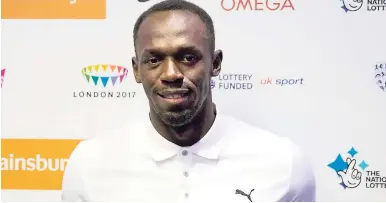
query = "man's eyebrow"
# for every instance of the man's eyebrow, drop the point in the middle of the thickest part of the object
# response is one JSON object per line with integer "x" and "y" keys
{"x": 184, "y": 49}
{"x": 189, "y": 49}
{"x": 151, "y": 51}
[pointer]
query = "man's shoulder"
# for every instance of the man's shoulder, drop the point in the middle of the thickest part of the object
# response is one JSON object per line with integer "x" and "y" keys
{"x": 111, "y": 143}
{"x": 242, "y": 136}
{"x": 251, "y": 142}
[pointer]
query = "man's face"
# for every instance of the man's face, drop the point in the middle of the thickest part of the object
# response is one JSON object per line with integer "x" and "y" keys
{"x": 174, "y": 63}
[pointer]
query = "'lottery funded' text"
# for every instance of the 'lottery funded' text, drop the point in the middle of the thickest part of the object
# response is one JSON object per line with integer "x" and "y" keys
{"x": 233, "y": 81}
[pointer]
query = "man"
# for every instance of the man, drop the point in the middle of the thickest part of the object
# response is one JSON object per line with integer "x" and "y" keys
{"x": 186, "y": 149}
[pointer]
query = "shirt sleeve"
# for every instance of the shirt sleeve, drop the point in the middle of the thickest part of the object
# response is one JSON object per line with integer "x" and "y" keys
{"x": 302, "y": 186}
{"x": 72, "y": 182}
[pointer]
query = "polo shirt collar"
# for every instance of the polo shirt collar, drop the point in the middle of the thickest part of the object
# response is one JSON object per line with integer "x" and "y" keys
{"x": 208, "y": 147}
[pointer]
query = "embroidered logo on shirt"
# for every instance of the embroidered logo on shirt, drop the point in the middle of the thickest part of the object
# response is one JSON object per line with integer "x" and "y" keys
{"x": 244, "y": 194}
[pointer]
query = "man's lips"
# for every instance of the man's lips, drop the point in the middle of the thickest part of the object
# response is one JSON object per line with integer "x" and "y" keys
{"x": 174, "y": 94}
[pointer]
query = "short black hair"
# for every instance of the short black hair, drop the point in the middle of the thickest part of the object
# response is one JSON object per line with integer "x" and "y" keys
{"x": 172, "y": 5}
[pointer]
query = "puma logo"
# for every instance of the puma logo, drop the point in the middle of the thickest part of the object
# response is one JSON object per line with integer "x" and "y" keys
{"x": 244, "y": 194}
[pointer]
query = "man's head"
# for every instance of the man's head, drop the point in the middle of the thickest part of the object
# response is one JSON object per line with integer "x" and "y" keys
{"x": 175, "y": 59}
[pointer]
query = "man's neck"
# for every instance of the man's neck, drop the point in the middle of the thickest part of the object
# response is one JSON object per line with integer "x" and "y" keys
{"x": 191, "y": 133}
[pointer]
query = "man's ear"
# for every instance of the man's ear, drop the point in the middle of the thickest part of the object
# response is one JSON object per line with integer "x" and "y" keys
{"x": 134, "y": 63}
{"x": 217, "y": 60}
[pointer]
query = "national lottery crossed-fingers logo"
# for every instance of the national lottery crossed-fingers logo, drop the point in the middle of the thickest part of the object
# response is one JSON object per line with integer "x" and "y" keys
{"x": 380, "y": 75}
{"x": 212, "y": 84}
{"x": 351, "y": 5}
{"x": 104, "y": 74}
{"x": 348, "y": 171}
{"x": 369, "y": 5}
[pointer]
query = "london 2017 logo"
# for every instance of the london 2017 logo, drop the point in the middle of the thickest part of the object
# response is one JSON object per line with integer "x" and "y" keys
{"x": 103, "y": 74}
{"x": 380, "y": 75}
{"x": 104, "y": 78}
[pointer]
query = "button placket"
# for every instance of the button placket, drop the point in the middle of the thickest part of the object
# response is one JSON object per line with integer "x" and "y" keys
{"x": 186, "y": 174}
{"x": 186, "y": 158}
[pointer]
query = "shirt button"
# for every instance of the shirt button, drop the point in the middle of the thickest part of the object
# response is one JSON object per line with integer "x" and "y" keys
{"x": 184, "y": 153}
{"x": 186, "y": 174}
{"x": 186, "y": 195}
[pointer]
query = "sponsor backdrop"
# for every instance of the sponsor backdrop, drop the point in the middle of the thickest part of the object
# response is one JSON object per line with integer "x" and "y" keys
{"x": 313, "y": 71}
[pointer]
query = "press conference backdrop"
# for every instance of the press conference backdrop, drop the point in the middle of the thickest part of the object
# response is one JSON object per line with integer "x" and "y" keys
{"x": 313, "y": 71}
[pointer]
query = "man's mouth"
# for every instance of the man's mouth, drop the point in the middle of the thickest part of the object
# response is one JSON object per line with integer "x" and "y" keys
{"x": 174, "y": 96}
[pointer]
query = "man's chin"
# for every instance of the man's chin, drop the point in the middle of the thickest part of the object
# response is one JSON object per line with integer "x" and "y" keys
{"x": 177, "y": 119}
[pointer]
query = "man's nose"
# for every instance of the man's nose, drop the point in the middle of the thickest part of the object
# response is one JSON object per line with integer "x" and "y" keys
{"x": 171, "y": 72}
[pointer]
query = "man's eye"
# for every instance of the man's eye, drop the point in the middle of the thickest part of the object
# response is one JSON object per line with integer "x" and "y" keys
{"x": 152, "y": 60}
{"x": 189, "y": 58}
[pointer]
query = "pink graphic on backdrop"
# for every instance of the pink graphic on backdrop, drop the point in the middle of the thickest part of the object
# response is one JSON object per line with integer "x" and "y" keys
{"x": 2, "y": 76}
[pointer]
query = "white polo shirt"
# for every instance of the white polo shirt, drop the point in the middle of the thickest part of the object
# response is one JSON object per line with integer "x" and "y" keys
{"x": 136, "y": 164}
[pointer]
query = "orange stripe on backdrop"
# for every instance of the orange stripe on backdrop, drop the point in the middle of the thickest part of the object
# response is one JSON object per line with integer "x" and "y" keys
{"x": 53, "y": 9}
{"x": 34, "y": 164}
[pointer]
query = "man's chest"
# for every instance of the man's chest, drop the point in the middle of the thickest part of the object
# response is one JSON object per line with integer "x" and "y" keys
{"x": 187, "y": 183}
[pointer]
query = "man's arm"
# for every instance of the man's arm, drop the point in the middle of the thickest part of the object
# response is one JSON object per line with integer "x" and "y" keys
{"x": 72, "y": 183}
{"x": 302, "y": 186}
